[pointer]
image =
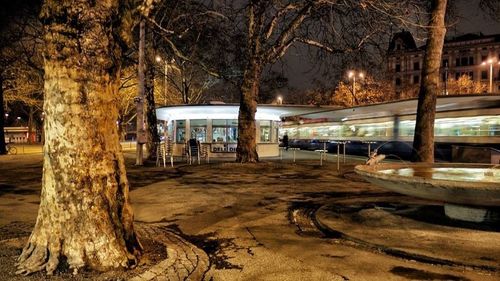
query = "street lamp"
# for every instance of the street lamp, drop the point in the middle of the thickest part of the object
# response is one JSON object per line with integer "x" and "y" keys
{"x": 165, "y": 93}
{"x": 280, "y": 100}
{"x": 490, "y": 62}
{"x": 352, "y": 75}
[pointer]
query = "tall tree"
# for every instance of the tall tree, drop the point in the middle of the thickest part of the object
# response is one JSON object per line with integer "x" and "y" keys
{"x": 334, "y": 27}
{"x": 85, "y": 214}
{"x": 423, "y": 141}
{"x": 266, "y": 42}
{"x": 153, "y": 138}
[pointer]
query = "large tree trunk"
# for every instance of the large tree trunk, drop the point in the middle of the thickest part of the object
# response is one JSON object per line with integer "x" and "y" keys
{"x": 3, "y": 149}
{"x": 247, "y": 146}
{"x": 85, "y": 214}
{"x": 423, "y": 141}
{"x": 153, "y": 137}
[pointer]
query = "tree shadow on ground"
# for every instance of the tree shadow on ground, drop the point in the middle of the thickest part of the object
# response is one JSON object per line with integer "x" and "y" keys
{"x": 212, "y": 245}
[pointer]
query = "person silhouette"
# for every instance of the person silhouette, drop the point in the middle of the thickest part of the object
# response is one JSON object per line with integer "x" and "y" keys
{"x": 285, "y": 141}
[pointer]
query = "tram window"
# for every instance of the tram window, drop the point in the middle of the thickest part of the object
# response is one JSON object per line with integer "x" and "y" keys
{"x": 199, "y": 130}
{"x": 180, "y": 131}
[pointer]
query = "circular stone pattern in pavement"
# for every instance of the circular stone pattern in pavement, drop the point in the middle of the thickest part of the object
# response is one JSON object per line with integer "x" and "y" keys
{"x": 404, "y": 231}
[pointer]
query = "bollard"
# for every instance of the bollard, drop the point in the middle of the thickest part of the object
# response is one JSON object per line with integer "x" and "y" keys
{"x": 324, "y": 151}
{"x": 338, "y": 156}
{"x": 344, "y": 152}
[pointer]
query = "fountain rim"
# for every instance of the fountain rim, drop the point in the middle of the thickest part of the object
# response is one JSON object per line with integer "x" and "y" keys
{"x": 372, "y": 171}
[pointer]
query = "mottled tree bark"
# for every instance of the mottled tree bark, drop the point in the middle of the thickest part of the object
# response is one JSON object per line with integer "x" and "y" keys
{"x": 85, "y": 214}
{"x": 423, "y": 141}
{"x": 247, "y": 146}
{"x": 3, "y": 149}
{"x": 151, "y": 122}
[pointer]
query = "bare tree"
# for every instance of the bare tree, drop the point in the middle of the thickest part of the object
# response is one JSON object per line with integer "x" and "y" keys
{"x": 21, "y": 72}
{"x": 334, "y": 27}
{"x": 423, "y": 141}
{"x": 188, "y": 37}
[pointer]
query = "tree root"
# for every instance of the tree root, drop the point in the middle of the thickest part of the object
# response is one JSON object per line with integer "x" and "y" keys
{"x": 37, "y": 257}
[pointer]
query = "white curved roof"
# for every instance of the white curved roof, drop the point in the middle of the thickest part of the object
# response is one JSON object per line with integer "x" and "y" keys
{"x": 230, "y": 111}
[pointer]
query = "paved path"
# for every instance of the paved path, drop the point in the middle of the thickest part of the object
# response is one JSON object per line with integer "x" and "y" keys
{"x": 276, "y": 221}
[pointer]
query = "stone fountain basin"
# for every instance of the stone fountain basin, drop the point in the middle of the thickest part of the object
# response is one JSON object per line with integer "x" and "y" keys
{"x": 456, "y": 183}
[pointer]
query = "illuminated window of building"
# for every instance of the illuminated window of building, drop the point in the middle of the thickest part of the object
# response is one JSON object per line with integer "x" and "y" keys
{"x": 224, "y": 131}
{"x": 198, "y": 130}
{"x": 265, "y": 131}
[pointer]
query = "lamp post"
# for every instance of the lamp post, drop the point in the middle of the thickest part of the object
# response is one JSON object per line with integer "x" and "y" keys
{"x": 280, "y": 100}
{"x": 165, "y": 72}
{"x": 490, "y": 62}
{"x": 352, "y": 75}
{"x": 446, "y": 78}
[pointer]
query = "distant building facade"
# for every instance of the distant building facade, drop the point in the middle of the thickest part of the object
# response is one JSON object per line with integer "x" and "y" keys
{"x": 462, "y": 55}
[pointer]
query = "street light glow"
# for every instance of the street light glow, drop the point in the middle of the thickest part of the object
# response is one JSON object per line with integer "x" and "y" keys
{"x": 158, "y": 59}
{"x": 490, "y": 61}
{"x": 280, "y": 100}
{"x": 352, "y": 75}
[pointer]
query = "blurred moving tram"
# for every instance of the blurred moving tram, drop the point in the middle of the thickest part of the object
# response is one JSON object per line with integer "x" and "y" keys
{"x": 466, "y": 128}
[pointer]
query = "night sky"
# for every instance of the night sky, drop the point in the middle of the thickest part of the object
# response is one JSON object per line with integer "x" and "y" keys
{"x": 471, "y": 20}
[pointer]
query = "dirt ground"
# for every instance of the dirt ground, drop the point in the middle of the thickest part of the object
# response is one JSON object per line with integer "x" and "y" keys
{"x": 275, "y": 220}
